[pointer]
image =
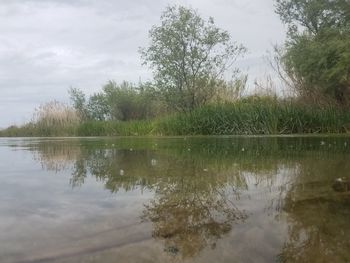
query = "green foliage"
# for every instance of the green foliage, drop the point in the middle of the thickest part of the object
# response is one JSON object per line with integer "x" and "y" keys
{"x": 119, "y": 102}
{"x": 321, "y": 63}
{"x": 98, "y": 107}
{"x": 317, "y": 53}
{"x": 314, "y": 15}
{"x": 78, "y": 100}
{"x": 112, "y": 128}
{"x": 249, "y": 116}
{"x": 189, "y": 57}
{"x": 255, "y": 115}
{"x": 129, "y": 102}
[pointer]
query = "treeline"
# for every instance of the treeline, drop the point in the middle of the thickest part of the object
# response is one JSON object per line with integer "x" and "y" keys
{"x": 316, "y": 56}
{"x": 119, "y": 102}
{"x": 127, "y": 101}
{"x": 197, "y": 90}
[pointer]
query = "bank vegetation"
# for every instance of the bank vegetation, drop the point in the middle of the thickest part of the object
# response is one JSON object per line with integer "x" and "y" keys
{"x": 197, "y": 90}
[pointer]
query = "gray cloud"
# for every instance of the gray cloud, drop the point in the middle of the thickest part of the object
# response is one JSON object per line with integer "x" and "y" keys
{"x": 46, "y": 46}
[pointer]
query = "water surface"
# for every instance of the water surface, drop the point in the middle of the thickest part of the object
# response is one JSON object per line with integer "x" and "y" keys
{"x": 210, "y": 199}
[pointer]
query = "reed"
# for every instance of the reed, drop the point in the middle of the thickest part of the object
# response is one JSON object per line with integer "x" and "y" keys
{"x": 255, "y": 116}
{"x": 248, "y": 116}
{"x": 113, "y": 128}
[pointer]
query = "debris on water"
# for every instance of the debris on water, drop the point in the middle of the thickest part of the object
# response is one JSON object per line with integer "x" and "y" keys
{"x": 243, "y": 149}
{"x": 341, "y": 185}
{"x": 323, "y": 143}
{"x": 172, "y": 250}
{"x": 121, "y": 172}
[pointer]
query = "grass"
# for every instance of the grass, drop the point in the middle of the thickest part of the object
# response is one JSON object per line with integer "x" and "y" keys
{"x": 110, "y": 128}
{"x": 256, "y": 116}
{"x": 250, "y": 116}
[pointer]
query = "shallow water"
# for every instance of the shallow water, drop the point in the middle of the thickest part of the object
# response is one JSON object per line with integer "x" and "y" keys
{"x": 210, "y": 199}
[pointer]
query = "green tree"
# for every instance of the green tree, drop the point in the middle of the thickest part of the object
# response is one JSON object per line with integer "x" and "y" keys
{"x": 119, "y": 102}
{"x": 121, "y": 99}
{"x": 98, "y": 107}
{"x": 314, "y": 15}
{"x": 317, "y": 52}
{"x": 78, "y": 100}
{"x": 189, "y": 57}
{"x": 127, "y": 101}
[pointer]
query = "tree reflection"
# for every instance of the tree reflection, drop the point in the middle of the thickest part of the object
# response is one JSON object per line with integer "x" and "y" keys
{"x": 318, "y": 217}
{"x": 189, "y": 222}
{"x": 191, "y": 209}
{"x": 193, "y": 212}
{"x": 197, "y": 188}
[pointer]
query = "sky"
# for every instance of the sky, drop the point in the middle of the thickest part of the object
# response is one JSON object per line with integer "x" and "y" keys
{"x": 48, "y": 46}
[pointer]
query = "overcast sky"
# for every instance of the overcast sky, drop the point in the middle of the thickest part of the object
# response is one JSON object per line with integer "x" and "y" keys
{"x": 47, "y": 46}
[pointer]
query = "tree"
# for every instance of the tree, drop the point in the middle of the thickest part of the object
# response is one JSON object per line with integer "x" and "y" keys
{"x": 314, "y": 15}
{"x": 98, "y": 108}
{"x": 317, "y": 52}
{"x": 118, "y": 102}
{"x": 78, "y": 100}
{"x": 189, "y": 57}
{"x": 122, "y": 100}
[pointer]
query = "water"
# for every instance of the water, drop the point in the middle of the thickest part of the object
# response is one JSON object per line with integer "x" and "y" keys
{"x": 255, "y": 199}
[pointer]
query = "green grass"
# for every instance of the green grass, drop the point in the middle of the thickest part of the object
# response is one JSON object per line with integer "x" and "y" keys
{"x": 255, "y": 117}
{"x": 251, "y": 116}
{"x": 110, "y": 128}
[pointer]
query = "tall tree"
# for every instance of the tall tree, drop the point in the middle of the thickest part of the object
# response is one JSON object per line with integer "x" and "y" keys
{"x": 317, "y": 52}
{"x": 314, "y": 15}
{"x": 78, "y": 100}
{"x": 189, "y": 56}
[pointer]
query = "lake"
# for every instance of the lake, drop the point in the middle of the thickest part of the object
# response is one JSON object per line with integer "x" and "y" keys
{"x": 192, "y": 199}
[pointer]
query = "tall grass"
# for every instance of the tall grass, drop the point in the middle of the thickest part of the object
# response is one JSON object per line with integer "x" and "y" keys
{"x": 256, "y": 116}
{"x": 113, "y": 128}
{"x": 249, "y": 116}
{"x": 55, "y": 118}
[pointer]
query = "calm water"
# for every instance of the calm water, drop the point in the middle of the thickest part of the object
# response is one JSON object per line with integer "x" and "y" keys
{"x": 257, "y": 199}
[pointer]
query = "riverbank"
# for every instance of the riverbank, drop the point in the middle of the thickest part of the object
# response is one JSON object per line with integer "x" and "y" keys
{"x": 246, "y": 117}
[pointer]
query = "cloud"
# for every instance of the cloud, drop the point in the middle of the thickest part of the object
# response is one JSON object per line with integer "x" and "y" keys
{"x": 46, "y": 46}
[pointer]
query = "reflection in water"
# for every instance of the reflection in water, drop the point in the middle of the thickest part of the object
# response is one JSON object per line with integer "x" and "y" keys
{"x": 201, "y": 194}
{"x": 318, "y": 216}
{"x": 192, "y": 213}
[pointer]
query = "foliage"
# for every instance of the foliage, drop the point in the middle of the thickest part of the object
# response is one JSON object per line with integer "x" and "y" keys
{"x": 189, "y": 57}
{"x": 256, "y": 115}
{"x": 78, "y": 100}
{"x": 112, "y": 128}
{"x": 119, "y": 102}
{"x": 317, "y": 53}
{"x": 128, "y": 102}
{"x": 98, "y": 107}
{"x": 313, "y": 15}
{"x": 321, "y": 64}
{"x": 249, "y": 116}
